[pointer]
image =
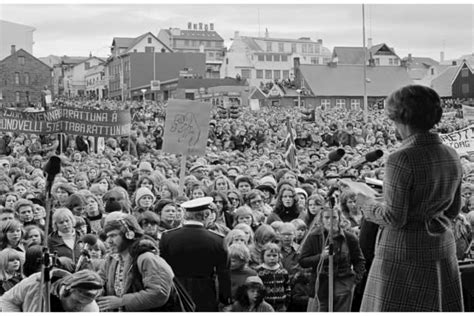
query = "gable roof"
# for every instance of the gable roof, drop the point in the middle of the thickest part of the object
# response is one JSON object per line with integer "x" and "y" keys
{"x": 355, "y": 55}
{"x": 442, "y": 83}
{"x": 257, "y": 93}
{"x": 461, "y": 66}
{"x": 347, "y": 80}
{"x": 137, "y": 40}
{"x": 122, "y": 42}
{"x": 251, "y": 43}
{"x": 417, "y": 62}
{"x": 192, "y": 83}
{"x": 25, "y": 52}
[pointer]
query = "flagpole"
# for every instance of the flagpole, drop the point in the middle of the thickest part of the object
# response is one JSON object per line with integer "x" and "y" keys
{"x": 365, "y": 64}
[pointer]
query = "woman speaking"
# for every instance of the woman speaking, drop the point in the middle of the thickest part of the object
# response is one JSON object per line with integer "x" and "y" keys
{"x": 415, "y": 266}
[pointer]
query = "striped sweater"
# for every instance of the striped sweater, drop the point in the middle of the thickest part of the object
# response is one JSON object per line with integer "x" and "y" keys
{"x": 277, "y": 284}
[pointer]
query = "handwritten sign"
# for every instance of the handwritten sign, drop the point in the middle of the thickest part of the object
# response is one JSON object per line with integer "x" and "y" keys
{"x": 74, "y": 121}
{"x": 468, "y": 112}
{"x": 47, "y": 99}
{"x": 254, "y": 104}
{"x": 186, "y": 127}
{"x": 462, "y": 141}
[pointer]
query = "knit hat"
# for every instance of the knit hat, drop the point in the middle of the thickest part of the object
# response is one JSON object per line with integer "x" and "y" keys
{"x": 145, "y": 166}
{"x": 267, "y": 183}
{"x": 141, "y": 192}
{"x": 301, "y": 191}
{"x": 253, "y": 279}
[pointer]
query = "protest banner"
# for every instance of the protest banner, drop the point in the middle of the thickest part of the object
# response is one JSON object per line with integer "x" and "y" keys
{"x": 73, "y": 121}
{"x": 468, "y": 112}
{"x": 462, "y": 141}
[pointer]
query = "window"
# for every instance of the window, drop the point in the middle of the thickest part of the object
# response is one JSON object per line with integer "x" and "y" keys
{"x": 465, "y": 88}
{"x": 17, "y": 78}
{"x": 293, "y": 47}
{"x": 17, "y": 96}
{"x": 186, "y": 42}
{"x": 304, "y": 48}
{"x": 259, "y": 74}
{"x": 27, "y": 96}
{"x": 208, "y": 44}
{"x": 325, "y": 102}
{"x": 261, "y": 58}
{"x": 149, "y": 49}
{"x": 21, "y": 60}
{"x": 88, "y": 65}
{"x": 276, "y": 74}
{"x": 245, "y": 73}
{"x": 286, "y": 74}
{"x": 464, "y": 73}
{"x": 377, "y": 61}
{"x": 395, "y": 61}
{"x": 27, "y": 78}
{"x": 315, "y": 60}
{"x": 268, "y": 74}
{"x": 268, "y": 57}
{"x": 149, "y": 40}
{"x": 281, "y": 47}
{"x": 276, "y": 57}
{"x": 311, "y": 48}
{"x": 355, "y": 103}
{"x": 284, "y": 58}
{"x": 432, "y": 71}
{"x": 340, "y": 102}
{"x": 269, "y": 46}
{"x": 211, "y": 54}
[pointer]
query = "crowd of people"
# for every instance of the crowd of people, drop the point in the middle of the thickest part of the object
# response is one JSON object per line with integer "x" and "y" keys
{"x": 117, "y": 209}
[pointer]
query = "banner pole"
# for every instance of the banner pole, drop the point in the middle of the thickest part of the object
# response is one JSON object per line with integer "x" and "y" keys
{"x": 182, "y": 173}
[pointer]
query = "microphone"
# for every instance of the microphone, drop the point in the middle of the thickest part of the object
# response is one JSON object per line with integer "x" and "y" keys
{"x": 52, "y": 168}
{"x": 369, "y": 157}
{"x": 333, "y": 156}
{"x": 88, "y": 240}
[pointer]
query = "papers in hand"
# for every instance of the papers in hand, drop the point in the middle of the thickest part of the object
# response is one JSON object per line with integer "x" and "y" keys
{"x": 360, "y": 188}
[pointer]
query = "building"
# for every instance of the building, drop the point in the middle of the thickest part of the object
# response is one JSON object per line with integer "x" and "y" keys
{"x": 15, "y": 34}
{"x": 263, "y": 59}
{"x": 60, "y": 65}
{"x": 442, "y": 82}
{"x": 215, "y": 91}
{"x": 463, "y": 82}
{"x": 379, "y": 55}
{"x": 22, "y": 78}
{"x": 96, "y": 82}
{"x": 420, "y": 69}
{"x": 335, "y": 85}
{"x": 197, "y": 38}
{"x": 142, "y": 68}
{"x": 74, "y": 80}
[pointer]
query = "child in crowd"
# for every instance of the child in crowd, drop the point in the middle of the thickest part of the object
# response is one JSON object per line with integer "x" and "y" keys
{"x": 11, "y": 265}
{"x": 239, "y": 257}
{"x": 301, "y": 229}
{"x": 264, "y": 234}
{"x": 275, "y": 278}
{"x": 250, "y": 236}
{"x": 250, "y": 297}
{"x": 33, "y": 236}
{"x": 289, "y": 255}
{"x": 235, "y": 236}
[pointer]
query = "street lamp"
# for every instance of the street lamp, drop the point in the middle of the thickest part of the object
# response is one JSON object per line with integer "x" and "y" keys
{"x": 143, "y": 91}
{"x": 121, "y": 75}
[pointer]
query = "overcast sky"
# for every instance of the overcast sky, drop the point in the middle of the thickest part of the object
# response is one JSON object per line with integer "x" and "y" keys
{"x": 422, "y": 30}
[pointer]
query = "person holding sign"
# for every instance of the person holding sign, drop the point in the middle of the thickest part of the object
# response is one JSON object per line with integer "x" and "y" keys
{"x": 415, "y": 266}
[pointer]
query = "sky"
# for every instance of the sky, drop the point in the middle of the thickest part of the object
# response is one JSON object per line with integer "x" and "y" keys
{"x": 80, "y": 28}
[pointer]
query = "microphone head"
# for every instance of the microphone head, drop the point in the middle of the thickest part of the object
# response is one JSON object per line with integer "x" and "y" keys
{"x": 336, "y": 155}
{"x": 373, "y": 155}
{"x": 90, "y": 239}
{"x": 53, "y": 166}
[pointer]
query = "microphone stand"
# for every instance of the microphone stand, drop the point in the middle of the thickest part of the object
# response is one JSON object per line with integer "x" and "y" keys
{"x": 332, "y": 201}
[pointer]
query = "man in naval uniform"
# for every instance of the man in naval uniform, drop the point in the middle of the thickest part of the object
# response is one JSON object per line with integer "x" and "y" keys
{"x": 197, "y": 255}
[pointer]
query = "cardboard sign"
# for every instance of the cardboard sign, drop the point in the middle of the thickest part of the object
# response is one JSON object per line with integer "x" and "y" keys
{"x": 468, "y": 112}
{"x": 155, "y": 85}
{"x": 47, "y": 99}
{"x": 462, "y": 141}
{"x": 254, "y": 104}
{"x": 186, "y": 127}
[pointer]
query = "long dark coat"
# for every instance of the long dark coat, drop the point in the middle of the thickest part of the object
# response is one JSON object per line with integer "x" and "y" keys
{"x": 415, "y": 266}
{"x": 196, "y": 255}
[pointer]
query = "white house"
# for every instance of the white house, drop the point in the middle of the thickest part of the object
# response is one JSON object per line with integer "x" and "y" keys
{"x": 96, "y": 82}
{"x": 74, "y": 80}
{"x": 263, "y": 59}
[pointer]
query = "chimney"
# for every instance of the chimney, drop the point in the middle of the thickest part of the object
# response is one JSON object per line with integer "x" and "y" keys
{"x": 190, "y": 25}
{"x": 454, "y": 63}
{"x": 200, "y": 26}
{"x": 13, "y": 51}
{"x": 206, "y": 27}
{"x": 441, "y": 57}
{"x": 236, "y": 35}
{"x": 267, "y": 35}
{"x": 409, "y": 57}
{"x": 320, "y": 42}
{"x": 211, "y": 26}
{"x": 369, "y": 42}
{"x": 195, "y": 26}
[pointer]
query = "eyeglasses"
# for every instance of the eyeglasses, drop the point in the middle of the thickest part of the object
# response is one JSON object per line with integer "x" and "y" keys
{"x": 233, "y": 199}
{"x": 256, "y": 202}
{"x": 146, "y": 223}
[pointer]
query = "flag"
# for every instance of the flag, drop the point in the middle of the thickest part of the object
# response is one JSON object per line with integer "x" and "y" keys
{"x": 290, "y": 149}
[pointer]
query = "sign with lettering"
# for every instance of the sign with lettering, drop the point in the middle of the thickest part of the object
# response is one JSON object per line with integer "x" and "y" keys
{"x": 468, "y": 112}
{"x": 186, "y": 127}
{"x": 155, "y": 85}
{"x": 75, "y": 121}
{"x": 462, "y": 141}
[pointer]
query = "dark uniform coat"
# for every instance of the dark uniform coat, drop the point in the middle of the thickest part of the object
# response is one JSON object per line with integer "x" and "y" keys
{"x": 415, "y": 266}
{"x": 196, "y": 256}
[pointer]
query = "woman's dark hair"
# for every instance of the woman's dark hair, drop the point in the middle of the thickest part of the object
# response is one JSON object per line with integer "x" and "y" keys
{"x": 416, "y": 106}
{"x": 161, "y": 205}
{"x": 223, "y": 196}
{"x": 242, "y": 297}
{"x": 280, "y": 208}
{"x": 33, "y": 256}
